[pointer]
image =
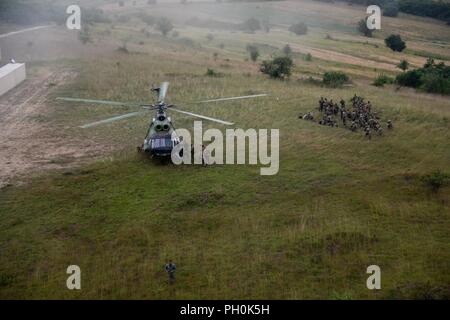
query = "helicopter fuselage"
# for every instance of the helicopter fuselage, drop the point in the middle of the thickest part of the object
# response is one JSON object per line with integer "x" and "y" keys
{"x": 160, "y": 140}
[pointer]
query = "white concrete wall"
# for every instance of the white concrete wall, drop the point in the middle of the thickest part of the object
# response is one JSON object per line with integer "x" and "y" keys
{"x": 11, "y": 75}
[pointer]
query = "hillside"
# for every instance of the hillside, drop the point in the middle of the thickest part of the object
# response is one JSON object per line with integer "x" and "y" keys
{"x": 339, "y": 203}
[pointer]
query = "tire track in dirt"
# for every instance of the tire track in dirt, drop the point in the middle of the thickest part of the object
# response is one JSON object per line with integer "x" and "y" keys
{"x": 30, "y": 142}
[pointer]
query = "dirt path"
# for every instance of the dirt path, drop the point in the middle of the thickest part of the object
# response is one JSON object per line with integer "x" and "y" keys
{"x": 29, "y": 142}
{"x": 23, "y": 30}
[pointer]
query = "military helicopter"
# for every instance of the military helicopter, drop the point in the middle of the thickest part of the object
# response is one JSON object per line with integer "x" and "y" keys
{"x": 159, "y": 140}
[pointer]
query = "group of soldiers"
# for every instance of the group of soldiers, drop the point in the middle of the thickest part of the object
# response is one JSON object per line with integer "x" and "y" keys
{"x": 359, "y": 116}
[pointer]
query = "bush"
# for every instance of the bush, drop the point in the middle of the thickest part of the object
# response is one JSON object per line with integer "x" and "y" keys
{"x": 381, "y": 80}
{"x": 436, "y": 180}
{"x": 432, "y": 77}
{"x": 395, "y": 43}
{"x": 287, "y": 51}
{"x": 411, "y": 78}
{"x": 212, "y": 73}
{"x": 85, "y": 35}
{"x": 363, "y": 29}
{"x": 299, "y": 28}
{"x": 308, "y": 57}
{"x": 403, "y": 65}
{"x": 146, "y": 18}
{"x": 253, "y": 51}
{"x": 434, "y": 83}
{"x": 251, "y": 25}
{"x": 164, "y": 25}
{"x": 277, "y": 68}
{"x": 335, "y": 79}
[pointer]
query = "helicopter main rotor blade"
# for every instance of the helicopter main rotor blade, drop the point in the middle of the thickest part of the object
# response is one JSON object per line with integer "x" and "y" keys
{"x": 202, "y": 117}
{"x": 111, "y": 103}
{"x": 234, "y": 98}
{"x": 163, "y": 91}
{"x": 124, "y": 116}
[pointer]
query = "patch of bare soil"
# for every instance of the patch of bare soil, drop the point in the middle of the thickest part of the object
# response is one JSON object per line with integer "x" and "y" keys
{"x": 29, "y": 143}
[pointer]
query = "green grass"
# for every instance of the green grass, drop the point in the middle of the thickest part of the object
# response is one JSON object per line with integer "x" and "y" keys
{"x": 338, "y": 204}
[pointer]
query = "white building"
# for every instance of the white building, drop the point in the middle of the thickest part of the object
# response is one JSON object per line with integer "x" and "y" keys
{"x": 11, "y": 75}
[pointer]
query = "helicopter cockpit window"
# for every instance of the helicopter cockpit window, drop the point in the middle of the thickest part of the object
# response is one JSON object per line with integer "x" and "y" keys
{"x": 161, "y": 143}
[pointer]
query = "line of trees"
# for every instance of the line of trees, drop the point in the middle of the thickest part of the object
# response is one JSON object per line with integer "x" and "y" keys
{"x": 425, "y": 8}
{"x": 30, "y": 13}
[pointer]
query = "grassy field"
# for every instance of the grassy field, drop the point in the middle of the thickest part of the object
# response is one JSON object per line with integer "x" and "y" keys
{"x": 338, "y": 204}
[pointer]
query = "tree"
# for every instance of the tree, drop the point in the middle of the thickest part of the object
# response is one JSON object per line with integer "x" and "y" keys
{"x": 299, "y": 28}
{"x": 277, "y": 68}
{"x": 253, "y": 51}
{"x": 210, "y": 37}
{"x": 395, "y": 43}
{"x": 85, "y": 35}
{"x": 390, "y": 9}
{"x": 403, "y": 65}
{"x": 266, "y": 24}
{"x": 164, "y": 25}
{"x": 251, "y": 25}
{"x": 287, "y": 50}
{"x": 147, "y": 19}
{"x": 411, "y": 78}
{"x": 363, "y": 29}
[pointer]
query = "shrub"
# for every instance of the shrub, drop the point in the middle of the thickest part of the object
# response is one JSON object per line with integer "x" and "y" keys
{"x": 253, "y": 51}
{"x": 146, "y": 18}
{"x": 287, "y": 50}
{"x": 85, "y": 35}
{"x": 381, "y": 80}
{"x": 299, "y": 28}
{"x": 411, "y": 78}
{"x": 403, "y": 65}
{"x": 251, "y": 25}
{"x": 395, "y": 43}
{"x": 436, "y": 180}
{"x": 308, "y": 57}
{"x": 277, "y": 68}
{"x": 335, "y": 79}
{"x": 434, "y": 83}
{"x": 363, "y": 29}
{"x": 164, "y": 25}
{"x": 212, "y": 73}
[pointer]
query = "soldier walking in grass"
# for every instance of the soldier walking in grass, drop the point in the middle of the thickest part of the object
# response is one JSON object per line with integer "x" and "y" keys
{"x": 170, "y": 268}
